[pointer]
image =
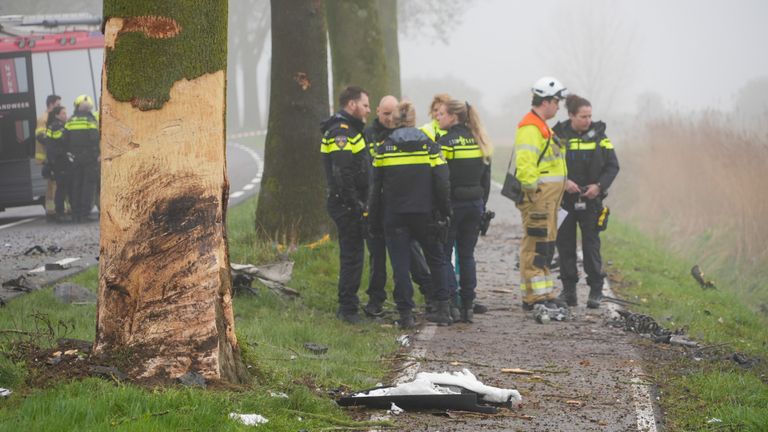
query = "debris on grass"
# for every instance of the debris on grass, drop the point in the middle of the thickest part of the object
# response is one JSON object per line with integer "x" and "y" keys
{"x": 315, "y": 348}
{"x": 4, "y": 392}
{"x": 274, "y": 276}
{"x": 249, "y": 419}
{"x": 395, "y": 410}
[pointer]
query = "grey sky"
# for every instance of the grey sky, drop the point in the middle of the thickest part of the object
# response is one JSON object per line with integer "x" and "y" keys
{"x": 696, "y": 54}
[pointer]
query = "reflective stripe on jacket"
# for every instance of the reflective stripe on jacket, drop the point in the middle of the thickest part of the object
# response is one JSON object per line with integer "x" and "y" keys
{"x": 530, "y": 140}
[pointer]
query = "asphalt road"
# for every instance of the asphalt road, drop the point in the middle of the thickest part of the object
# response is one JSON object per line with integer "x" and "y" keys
{"x": 23, "y": 228}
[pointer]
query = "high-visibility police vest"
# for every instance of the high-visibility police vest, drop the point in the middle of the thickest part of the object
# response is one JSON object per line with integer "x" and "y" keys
{"x": 470, "y": 176}
{"x": 530, "y": 141}
{"x": 433, "y": 131}
{"x": 81, "y": 134}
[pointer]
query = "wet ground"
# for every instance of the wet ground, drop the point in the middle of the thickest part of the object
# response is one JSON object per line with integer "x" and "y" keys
{"x": 22, "y": 228}
{"x": 583, "y": 370}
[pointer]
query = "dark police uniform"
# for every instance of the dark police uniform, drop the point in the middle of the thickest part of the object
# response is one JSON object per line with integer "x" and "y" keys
{"x": 410, "y": 184}
{"x": 470, "y": 178}
{"x": 58, "y": 158}
{"x": 374, "y": 136}
{"x": 81, "y": 137}
{"x": 346, "y": 169}
{"x": 591, "y": 159}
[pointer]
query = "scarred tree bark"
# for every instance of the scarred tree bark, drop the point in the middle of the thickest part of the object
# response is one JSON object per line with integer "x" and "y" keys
{"x": 164, "y": 283}
{"x": 292, "y": 196}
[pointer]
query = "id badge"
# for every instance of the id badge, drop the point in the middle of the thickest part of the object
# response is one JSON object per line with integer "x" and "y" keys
{"x": 580, "y": 206}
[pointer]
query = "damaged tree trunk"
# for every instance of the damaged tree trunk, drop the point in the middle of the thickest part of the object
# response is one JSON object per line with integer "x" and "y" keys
{"x": 164, "y": 283}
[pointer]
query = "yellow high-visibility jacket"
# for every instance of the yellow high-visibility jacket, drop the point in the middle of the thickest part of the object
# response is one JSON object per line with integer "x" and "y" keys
{"x": 433, "y": 131}
{"x": 530, "y": 140}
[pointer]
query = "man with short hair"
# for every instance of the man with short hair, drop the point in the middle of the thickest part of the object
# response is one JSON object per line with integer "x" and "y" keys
{"x": 346, "y": 164}
{"x": 541, "y": 170}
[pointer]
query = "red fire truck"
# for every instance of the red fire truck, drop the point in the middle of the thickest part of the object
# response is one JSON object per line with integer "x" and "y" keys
{"x": 39, "y": 56}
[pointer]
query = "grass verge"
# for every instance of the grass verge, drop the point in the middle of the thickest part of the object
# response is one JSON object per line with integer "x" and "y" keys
{"x": 704, "y": 390}
{"x": 271, "y": 331}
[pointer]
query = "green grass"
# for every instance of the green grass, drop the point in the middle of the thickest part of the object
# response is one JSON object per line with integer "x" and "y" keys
{"x": 695, "y": 391}
{"x": 271, "y": 331}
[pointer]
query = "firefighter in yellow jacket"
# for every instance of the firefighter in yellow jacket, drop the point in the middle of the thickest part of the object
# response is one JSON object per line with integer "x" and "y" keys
{"x": 541, "y": 170}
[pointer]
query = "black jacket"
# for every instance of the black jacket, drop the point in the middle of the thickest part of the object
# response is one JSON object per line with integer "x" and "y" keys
{"x": 590, "y": 156}
{"x": 81, "y": 137}
{"x": 409, "y": 176}
{"x": 345, "y": 160}
{"x": 55, "y": 146}
{"x": 470, "y": 175}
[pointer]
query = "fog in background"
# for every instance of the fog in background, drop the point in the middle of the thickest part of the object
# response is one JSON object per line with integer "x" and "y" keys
{"x": 624, "y": 56}
{"x": 627, "y": 57}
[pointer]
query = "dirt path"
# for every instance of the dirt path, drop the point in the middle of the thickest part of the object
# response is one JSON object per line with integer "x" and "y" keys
{"x": 584, "y": 369}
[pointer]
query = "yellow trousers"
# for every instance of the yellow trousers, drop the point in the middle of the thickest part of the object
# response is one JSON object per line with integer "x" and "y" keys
{"x": 539, "y": 214}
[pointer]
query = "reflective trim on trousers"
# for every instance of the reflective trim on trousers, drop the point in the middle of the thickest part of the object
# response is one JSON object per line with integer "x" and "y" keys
{"x": 551, "y": 179}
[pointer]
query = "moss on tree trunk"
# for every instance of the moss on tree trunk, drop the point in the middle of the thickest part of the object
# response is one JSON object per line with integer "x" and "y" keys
{"x": 357, "y": 47}
{"x": 292, "y": 195}
{"x": 164, "y": 281}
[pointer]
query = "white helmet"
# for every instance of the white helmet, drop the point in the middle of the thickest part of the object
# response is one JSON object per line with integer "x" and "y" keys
{"x": 549, "y": 87}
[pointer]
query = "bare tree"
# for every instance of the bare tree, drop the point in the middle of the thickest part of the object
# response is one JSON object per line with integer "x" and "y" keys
{"x": 164, "y": 283}
{"x": 292, "y": 196}
{"x": 430, "y": 18}
{"x": 249, "y": 27}
{"x": 591, "y": 51}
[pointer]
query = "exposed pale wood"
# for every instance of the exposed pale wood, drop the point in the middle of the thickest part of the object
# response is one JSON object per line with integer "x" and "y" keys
{"x": 164, "y": 284}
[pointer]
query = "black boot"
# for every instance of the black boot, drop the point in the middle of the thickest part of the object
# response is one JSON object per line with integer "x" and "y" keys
{"x": 455, "y": 311}
{"x": 467, "y": 311}
{"x": 406, "y": 320}
{"x": 595, "y": 297}
{"x": 442, "y": 315}
{"x": 568, "y": 295}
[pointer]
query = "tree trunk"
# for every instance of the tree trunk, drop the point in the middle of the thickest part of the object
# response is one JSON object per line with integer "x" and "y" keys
{"x": 292, "y": 195}
{"x": 357, "y": 47}
{"x": 388, "y": 19}
{"x": 165, "y": 289}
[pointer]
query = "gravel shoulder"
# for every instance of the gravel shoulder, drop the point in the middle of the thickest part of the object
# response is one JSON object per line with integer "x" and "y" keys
{"x": 583, "y": 369}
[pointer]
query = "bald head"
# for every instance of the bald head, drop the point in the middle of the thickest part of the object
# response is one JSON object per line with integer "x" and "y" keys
{"x": 386, "y": 111}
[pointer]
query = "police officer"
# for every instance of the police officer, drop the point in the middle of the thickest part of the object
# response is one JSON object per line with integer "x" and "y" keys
{"x": 81, "y": 137}
{"x": 58, "y": 158}
{"x": 432, "y": 128}
{"x": 592, "y": 167}
{"x": 467, "y": 150}
{"x": 541, "y": 170}
{"x": 346, "y": 168}
{"x": 51, "y": 102}
{"x": 410, "y": 191}
{"x": 375, "y": 134}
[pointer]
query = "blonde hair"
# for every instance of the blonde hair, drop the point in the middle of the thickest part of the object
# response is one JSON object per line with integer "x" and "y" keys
{"x": 439, "y": 99}
{"x": 405, "y": 116}
{"x": 467, "y": 114}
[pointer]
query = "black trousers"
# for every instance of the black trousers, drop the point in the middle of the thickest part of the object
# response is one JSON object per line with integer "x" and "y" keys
{"x": 63, "y": 187}
{"x": 377, "y": 262}
{"x": 351, "y": 254}
{"x": 85, "y": 177}
{"x": 400, "y": 230}
{"x": 586, "y": 220}
{"x": 465, "y": 227}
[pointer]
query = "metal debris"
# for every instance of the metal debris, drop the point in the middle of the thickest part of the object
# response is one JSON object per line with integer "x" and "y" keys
{"x": 698, "y": 275}
{"x": 544, "y": 314}
{"x": 404, "y": 340}
{"x": 315, "y": 348}
{"x": 20, "y": 283}
{"x": 273, "y": 276}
